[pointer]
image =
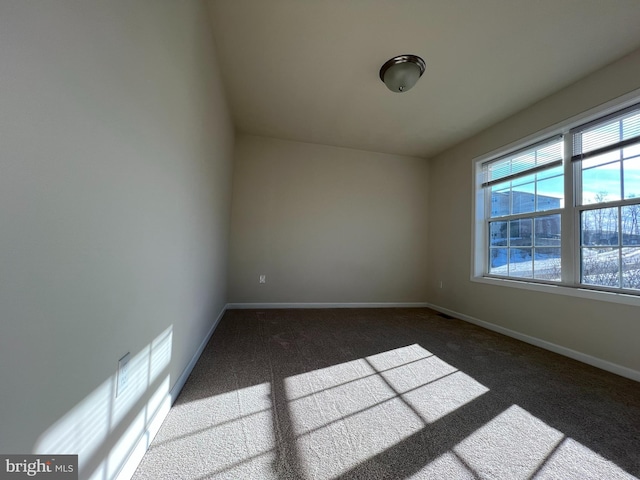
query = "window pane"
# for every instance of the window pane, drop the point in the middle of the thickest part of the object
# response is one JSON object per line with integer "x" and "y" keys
{"x": 498, "y": 261}
{"x": 547, "y": 231}
{"x": 632, "y": 178}
{"x": 520, "y": 262}
{"x": 601, "y": 136}
{"x": 497, "y": 170}
{"x": 609, "y": 132}
{"x": 550, "y": 194}
{"x": 631, "y": 151}
{"x": 524, "y": 198}
{"x": 520, "y": 232}
{"x": 500, "y": 201}
{"x": 599, "y": 226}
{"x": 631, "y": 268}
{"x": 498, "y": 234}
{"x": 523, "y": 180}
{"x": 518, "y": 163}
{"x": 601, "y": 159}
{"x": 631, "y": 225}
{"x": 547, "y": 263}
{"x": 600, "y": 267}
{"x": 549, "y": 153}
{"x": 552, "y": 172}
{"x": 601, "y": 184}
{"x": 523, "y": 162}
{"x": 631, "y": 126}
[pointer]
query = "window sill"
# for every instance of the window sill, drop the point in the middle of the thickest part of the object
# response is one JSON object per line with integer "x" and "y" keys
{"x": 613, "y": 297}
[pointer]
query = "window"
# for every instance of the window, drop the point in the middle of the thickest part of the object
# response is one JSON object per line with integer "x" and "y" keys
{"x": 525, "y": 190}
{"x": 564, "y": 210}
{"x": 606, "y": 154}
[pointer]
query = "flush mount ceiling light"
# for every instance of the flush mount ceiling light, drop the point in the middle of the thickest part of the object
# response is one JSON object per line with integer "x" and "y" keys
{"x": 402, "y": 72}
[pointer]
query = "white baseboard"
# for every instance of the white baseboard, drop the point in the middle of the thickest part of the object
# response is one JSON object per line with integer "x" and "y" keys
{"x": 137, "y": 453}
{"x": 567, "y": 352}
{"x": 265, "y": 306}
{"x": 182, "y": 379}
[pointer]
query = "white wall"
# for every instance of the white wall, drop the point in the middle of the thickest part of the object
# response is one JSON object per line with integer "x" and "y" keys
{"x": 115, "y": 177}
{"x": 603, "y": 330}
{"x": 326, "y": 224}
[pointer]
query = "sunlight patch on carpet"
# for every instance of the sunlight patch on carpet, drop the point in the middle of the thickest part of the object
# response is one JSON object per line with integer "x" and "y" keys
{"x": 347, "y": 414}
{"x": 513, "y": 445}
{"x": 233, "y": 435}
{"x": 577, "y": 461}
{"x": 517, "y": 445}
{"x": 438, "y": 399}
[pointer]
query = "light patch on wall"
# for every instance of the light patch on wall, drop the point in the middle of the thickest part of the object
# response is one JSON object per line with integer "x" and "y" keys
{"x": 85, "y": 428}
{"x": 155, "y": 409}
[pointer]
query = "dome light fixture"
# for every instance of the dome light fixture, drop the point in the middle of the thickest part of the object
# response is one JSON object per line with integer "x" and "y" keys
{"x": 402, "y": 72}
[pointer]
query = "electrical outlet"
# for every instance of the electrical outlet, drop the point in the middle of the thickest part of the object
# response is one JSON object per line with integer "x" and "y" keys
{"x": 123, "y": 373}
{"x": 263, "y": 279}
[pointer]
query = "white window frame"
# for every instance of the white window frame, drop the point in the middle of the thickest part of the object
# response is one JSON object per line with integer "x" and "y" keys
{"x": 570, "y": 227}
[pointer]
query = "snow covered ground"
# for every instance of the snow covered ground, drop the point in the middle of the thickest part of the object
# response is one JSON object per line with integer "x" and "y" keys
{"x": 599, "y": 266}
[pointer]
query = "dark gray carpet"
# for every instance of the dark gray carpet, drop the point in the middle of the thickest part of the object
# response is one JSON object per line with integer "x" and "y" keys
{"x": 391, "y": 394}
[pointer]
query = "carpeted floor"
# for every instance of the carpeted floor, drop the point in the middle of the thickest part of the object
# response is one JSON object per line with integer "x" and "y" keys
{"x": 391, "y": 394}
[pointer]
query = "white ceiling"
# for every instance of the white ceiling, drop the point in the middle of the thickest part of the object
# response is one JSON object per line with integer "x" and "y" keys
{"x": 307, "y": 70}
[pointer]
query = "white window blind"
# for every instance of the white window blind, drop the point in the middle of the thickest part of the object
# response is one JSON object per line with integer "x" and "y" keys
{"x": 613, "y": 132}
{"x": 527, "y": 161}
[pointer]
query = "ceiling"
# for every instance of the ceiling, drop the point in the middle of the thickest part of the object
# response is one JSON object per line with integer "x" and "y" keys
{"x": 307, "y": 70}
